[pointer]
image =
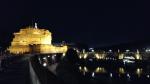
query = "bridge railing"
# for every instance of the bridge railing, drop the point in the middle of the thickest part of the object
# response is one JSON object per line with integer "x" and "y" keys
{"x": 40, "y": 74}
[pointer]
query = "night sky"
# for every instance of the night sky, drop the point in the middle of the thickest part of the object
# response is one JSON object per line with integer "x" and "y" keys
{"x": 94, "y": 23}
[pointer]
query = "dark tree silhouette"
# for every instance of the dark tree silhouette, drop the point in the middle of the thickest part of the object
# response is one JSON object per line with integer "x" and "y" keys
{"x": 72, "y": 56}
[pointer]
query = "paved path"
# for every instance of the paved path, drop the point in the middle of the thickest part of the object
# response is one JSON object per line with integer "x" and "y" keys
{"x": 16, "y": 73}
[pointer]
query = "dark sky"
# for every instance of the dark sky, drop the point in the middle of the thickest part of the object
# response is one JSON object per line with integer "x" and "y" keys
{"x": 94, "y": 23}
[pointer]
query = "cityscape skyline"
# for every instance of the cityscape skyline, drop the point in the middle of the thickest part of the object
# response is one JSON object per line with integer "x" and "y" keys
{"x": 74, "y": 42}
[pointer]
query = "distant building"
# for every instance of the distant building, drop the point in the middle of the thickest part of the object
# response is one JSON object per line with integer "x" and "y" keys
{"x": 34, "y": 40}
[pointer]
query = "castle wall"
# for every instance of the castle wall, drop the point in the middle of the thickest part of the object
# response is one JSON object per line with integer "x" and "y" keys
{"x": 33, "y": 40}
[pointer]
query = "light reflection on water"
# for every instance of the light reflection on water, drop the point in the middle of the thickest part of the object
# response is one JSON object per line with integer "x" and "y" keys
{"x": 139, "y": 71}
{"x": 100, "y": 70}
{"x": 119, "y": 71}
{"x": 107, "y": 72}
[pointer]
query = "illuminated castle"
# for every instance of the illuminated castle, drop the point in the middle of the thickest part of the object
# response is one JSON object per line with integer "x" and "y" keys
{"x": 34, "y": 40}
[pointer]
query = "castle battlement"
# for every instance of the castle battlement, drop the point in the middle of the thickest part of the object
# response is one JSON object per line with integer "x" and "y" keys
{"x": 33, "y": 39}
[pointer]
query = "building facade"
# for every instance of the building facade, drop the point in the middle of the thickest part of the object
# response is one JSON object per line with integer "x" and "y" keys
{"x": 34, "y": 40}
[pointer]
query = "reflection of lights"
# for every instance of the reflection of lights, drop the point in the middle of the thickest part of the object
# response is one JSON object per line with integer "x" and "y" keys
{"x": 147, "y": 50}
{"x": 127, "y": 57}
{"x": 103, "y": 55}
{"x": 139, "y": 71}
{"x": 91, "y": 60}
{"x": 44, "y": 64}
{"x": 110, "y": 50}
{"x": 111, "y": 75}
{"x": 127, "y": 61}
{"x": 83, "y": 51}
{"x": 97, "y": 56}
{"x": 97, "y": 69}
{"x": 100, "y": 70}
{"x": 39, "y": 60}
{"x": 137, "y": 56}
{"x": 100, "y": 56}
{"x": 93, "y": 74}
{"x": 121, "y": 56}
{"x": 64, "y": 54}
{"x": 85, "y": 56}
{"x": 128, "y": 75}
{"x": 44, "y": 58}
{"x": 121, "y": 70}
{"x": 48, "y": 56}
{"x": 80, "y": 56}
{"x": 127, "y": 50}
{"x": 80, "y": 68}
{"x": 77, "y": 50}
{"x": 85, "y": 69}
{"x": 53, "y": 57}
{"x": 91, "y": 49}
{"x": 147, "y": 76}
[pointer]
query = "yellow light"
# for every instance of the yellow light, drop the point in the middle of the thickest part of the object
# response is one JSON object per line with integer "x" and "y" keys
{"x": 100, "y": 70}
{"x": 40, "y": 39}
{"x": 97, "y": 70}
{"x": 85, "y": 55}
{"x": 121, "y": 56}
{"x": 137, "y": 56}
{"x": 139, "y": 71}
{"x": 97, "y": 56}
{"x": 46, "y": 40}
{"x": 85, "y": 69}
{"x": 80, "y": 68}
{"x": 80, "y": 56}
{"x": 121, "y": 70}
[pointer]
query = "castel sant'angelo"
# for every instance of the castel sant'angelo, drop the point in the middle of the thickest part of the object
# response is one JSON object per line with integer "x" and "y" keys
{"x": 34, "y": 40}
